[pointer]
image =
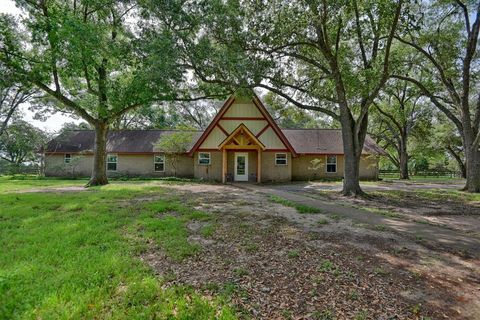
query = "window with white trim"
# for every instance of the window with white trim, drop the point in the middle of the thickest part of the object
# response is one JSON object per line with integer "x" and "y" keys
{"x": 112, "y": 160}
{"x": 281, "y": 159}
{"x": 204, "y": 158}
{"x": 332, "y": 164}
{"x": 159, "y": 162}
{"x": 67, "y": 158}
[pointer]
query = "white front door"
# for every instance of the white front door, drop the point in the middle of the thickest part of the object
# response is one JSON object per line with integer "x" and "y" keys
{"x": 241, "y": 166}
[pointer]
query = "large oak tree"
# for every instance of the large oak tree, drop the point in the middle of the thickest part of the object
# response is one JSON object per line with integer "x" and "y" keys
{"x": 445, "y": 34}
{"x": 322, "y": 55}
{"x": 91, "y": 57}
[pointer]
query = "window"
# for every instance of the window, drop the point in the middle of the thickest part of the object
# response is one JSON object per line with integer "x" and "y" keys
{"x": 332, "y": 164}
{"x": 159, "y": 161}
{"x": 280, "y": 158}
{"x": 204, "y": 158}
{"x": 68, "y": 158}
{"x": 112, "y": 160}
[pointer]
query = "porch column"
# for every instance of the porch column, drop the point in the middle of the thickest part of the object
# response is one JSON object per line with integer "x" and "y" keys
{"x": 259, "y": 165}
{"x": 224, "y": 165}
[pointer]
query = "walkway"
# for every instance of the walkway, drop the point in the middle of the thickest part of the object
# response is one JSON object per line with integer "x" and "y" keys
{"x": 426, "y": 234}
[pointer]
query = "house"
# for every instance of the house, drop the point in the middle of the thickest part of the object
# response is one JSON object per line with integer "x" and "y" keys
{"x": 242, "y": 143}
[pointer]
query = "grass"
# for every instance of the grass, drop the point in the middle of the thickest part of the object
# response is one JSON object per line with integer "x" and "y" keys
{"x": 430, "y": 195}
{"x": 75, "y": 254}
{"x": 300, "y": 207}
{"x": 18, "y": 183}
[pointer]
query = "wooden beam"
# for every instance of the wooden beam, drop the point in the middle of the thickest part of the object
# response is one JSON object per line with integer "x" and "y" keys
{"x": 244, "y": 118}
{"x": 251, "y": 147}
{"x": 224, "y": 166}
{"x": 259, "y": 166}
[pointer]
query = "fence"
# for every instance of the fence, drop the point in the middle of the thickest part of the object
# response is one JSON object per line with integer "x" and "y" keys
{"x": 423, "y": 174}
{"x": 7, "y": 169}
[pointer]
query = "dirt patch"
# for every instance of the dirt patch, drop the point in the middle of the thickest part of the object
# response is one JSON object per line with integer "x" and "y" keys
{"x": 273, "y": 263}
{"x": 451, "y": 213}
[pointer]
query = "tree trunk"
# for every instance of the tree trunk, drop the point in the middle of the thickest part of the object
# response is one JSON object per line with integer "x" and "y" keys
{"x": 352, "y": 148}
{"x": 99, "y": 173}
{"x": 463, "y": 169}
{"x": 351, "y": 179}
{"x": 472, "y": 156}
{"x": 458, "y": 158}
{"x": 403, "y": 156}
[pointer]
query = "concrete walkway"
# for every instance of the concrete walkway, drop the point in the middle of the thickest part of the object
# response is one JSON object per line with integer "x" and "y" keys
{"x": 442, "y": 238}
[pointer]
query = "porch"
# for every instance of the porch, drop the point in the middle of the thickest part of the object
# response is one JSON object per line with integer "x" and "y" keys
{"x": 241, "y": 156}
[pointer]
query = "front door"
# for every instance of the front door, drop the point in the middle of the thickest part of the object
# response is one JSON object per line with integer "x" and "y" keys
{"x": 241, "y": 166}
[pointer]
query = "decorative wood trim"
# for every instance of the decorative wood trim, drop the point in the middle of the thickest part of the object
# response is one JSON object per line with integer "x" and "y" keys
{"x": 243, "y": 128}
{"x": 212, "y": 124}
{"x": 323, "y": 153}
{"x": 259, "y": 166}
{"x": 275, "y": 127}
{"x": 263, "y": 130}
{"x": 276, "y": 150}
{"x": 244, "y": 118}
{"x": 224, "y": 166}
{"x": 229, "y": 147}
{"x": 207, "y": 150}
{"x": 233, "y": 149}
{"x": 223, "y": 129}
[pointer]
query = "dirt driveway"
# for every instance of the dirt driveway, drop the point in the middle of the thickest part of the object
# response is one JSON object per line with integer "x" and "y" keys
{"x": 271, "y": 262}
{"x": 424, "y": 202}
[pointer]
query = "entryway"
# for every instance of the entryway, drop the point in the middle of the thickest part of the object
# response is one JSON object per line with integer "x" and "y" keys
{"x": 241, "y": 166}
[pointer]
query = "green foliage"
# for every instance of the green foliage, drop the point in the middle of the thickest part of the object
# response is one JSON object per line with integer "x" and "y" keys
{"x": 74, "y": 255}
{"x": 175, "y": 143}
{"x": 20, "y": 142}
{"x": 301, "y": 208}
{"x": 291, "y": 117}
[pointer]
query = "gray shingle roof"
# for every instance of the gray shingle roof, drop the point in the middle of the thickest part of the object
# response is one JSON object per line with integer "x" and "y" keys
{"x": 324, "y": 141}
{"x": 311, "y": 141}
{"x": 121, "y": 141}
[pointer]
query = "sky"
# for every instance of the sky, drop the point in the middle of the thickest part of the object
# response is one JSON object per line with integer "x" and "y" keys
{"x": 53, "y": 122}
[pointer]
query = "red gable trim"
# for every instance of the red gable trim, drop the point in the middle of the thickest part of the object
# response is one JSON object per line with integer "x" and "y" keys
{"x": 256, "y": 101}
{"x": 223, "y": 129}
{"x": 243, "y": 118}
{"x": 263, "y": 130}
{"x": 212, "y": 124}
{"x": 275, "y": 127}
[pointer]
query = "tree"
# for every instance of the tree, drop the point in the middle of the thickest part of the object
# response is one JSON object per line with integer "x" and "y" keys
{"x": 20, "y": 143}
{"x": 168, "y": 115}
{"x": 327, "y": 56}
{"x": 174, "y": 145}
{"x": 399, "y": 113}
{"x": 12, "y": 95}
{"x": 446, "y": 137}
{"x": 89, "y": 57}
{"x": 446, "y": 34}
{"x": 287, "y": 115}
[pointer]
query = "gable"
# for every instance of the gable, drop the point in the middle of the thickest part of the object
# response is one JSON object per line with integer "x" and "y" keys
{"x": 249, "y": 113}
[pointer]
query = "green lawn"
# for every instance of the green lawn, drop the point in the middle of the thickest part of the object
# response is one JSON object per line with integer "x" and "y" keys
{"x": 15, "y": 183}
{"x": 76, "y": 254}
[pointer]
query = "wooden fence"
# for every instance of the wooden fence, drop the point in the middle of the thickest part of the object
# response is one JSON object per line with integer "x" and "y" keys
{"x": 423, "y": 174}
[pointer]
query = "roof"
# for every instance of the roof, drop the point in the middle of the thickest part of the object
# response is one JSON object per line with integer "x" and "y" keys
{"x": 120, "y": 141}
{"x": 324, "y": 141}
{"x": 303, "y": 141}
